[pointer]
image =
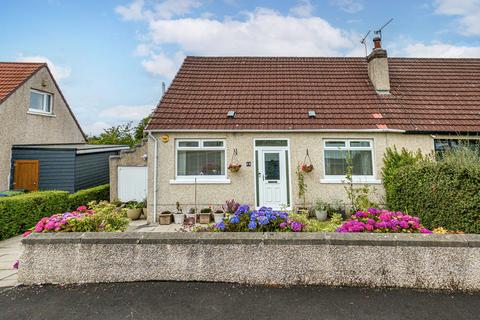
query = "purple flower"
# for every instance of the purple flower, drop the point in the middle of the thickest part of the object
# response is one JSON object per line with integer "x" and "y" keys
{"x": 296, "y": 226}
{"x": 15, "y": 265}
{"x": 252, "y": 225}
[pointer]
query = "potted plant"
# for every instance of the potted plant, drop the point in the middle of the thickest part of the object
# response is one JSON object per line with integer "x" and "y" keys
{"x": 321, "y": 210}
{"x": 307, "y": 168}
{"x": 191, "y": 217}
{"x": 218, "y": 215}
{"x": 165, "y": 217}
{"x": 205, "y": 215}
{"x": 134, "y": 210}
{"x": 178, "y": 217}
{"x": 230, "y": 206}
{"x": 144, "y": 207}
{"x": 234, "y": 167}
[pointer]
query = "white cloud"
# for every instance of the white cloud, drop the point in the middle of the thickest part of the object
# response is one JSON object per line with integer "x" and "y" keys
{"x": 349, "y": 6}
{"x": 59, "y": 73}
{"x": 304, "y": 8}
{"x": 95, "y": 128}
{"x": 132, "y": 12}
{"x": 440, "y": 50}
{"x": 170, "y": 8}
{"x": 468, "y": 12}
{"x": 163, "y": 65}
{"x": 127, "y": 113}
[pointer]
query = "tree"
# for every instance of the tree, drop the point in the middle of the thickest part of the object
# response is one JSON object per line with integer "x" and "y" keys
{"x": 121, "y": 134}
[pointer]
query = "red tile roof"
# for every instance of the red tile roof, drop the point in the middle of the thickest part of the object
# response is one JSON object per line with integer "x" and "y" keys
{"x": 14, "y": 74}
{"x": 276, "y": 93}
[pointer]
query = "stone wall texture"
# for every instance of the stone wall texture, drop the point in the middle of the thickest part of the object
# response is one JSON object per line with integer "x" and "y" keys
{"x": 18, "y": 126}
{"x": 372, "y": 260}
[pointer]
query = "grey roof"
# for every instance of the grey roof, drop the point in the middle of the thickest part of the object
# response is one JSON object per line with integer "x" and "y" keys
{"x": 79, "y": 148}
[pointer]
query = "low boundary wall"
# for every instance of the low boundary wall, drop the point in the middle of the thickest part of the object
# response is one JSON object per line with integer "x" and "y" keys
{"x": 336, "y": 259}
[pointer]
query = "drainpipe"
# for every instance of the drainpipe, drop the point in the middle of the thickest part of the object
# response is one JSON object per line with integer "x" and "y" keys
{"x": 155, "y": 164}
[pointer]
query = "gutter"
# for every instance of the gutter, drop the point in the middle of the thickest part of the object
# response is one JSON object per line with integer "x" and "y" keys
{"x": 155, "y": 165}
{"x": 278, "y": 131}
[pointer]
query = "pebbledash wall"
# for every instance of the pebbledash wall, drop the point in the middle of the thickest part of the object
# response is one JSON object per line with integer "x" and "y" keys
{"x": 242, "y": 184}
{"x": 371, "y": 260}
{"x": 18, "y": 126}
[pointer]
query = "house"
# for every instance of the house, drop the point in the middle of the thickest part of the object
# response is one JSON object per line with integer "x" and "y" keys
{"x": 42, "y": 145}
{"x": 271, "y": 114}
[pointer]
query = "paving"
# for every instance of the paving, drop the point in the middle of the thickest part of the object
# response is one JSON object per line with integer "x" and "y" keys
{"x": 10, "y": 251}
{"x": 190, "y": 300}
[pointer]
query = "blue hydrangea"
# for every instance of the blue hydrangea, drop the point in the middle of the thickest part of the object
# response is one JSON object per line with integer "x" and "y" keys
{"x": 220, "y": 226}
{"x": 263, "y": 220}
{"x": 252, "y": 225}
{"x": 234, "y": 219}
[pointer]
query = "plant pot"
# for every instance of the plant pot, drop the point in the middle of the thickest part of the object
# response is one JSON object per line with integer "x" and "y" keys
{"x": 165, "y": 219}
{"x": 144, "y": 211}
{"x": 205, "y": 218}
{"x": 234, "y": 167}
{"x": 179, "y": 218}
{"x": 307, "y": 168}
{"x": 321, "y": 215}
{"x": 134, "y": 214}
{"x": 190, "y": 218}
{"x": 218, "y": 217}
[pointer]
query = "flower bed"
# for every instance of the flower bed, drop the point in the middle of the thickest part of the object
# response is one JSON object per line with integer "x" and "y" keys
{"x": 261, "y": 220}
{"x": 376, "y": 220}
{"x": 101, "y": 217}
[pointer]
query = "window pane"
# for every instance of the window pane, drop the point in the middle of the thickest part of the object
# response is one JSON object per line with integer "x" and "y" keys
{"x": 361, "y": 162}
{"x": 213, "y": 143}
{"x": 271, "y": 143}
{"x": 48, "y": 103}
{"x": 272, "y": 166}
{"x": 335, "y": 162}
{"x": 196, "y": 163}
{"x": 359, "y": 144}
{"x": 36, "y": 101}
{"x": 188, "y": 143}
{"x": 335, "y": 144}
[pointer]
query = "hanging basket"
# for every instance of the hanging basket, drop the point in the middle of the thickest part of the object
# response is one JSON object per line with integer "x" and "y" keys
{"x": 307, "y": 165}
{"x": 234, "y": 166}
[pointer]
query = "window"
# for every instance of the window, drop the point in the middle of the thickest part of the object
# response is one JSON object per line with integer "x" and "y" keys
{"x": 203, "y": 159}
{"x": 40, "y": 102}
{"x": 338, "y": 152}
{"x": 442, "y": 145}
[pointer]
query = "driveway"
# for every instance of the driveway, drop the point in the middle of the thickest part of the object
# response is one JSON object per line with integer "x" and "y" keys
{"x": 10, "y": 251}
{"x": 188, "y": 300}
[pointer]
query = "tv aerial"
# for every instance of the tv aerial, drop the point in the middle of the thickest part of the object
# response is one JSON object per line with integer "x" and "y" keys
{"x": 363, "y": 41}
{"x": 379, "y": 31}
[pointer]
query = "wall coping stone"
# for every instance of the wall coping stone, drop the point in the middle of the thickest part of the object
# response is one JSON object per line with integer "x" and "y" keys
{"x": 255, "y": 238}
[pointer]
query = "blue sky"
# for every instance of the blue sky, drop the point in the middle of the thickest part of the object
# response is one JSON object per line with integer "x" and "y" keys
{"x": 110, "y": 57}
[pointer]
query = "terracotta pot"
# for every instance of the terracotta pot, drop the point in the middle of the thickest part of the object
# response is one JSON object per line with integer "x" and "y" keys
{"x": 165, "y": 219}
{"x": 205, "y": 217}
{"x": 134, "y": 214}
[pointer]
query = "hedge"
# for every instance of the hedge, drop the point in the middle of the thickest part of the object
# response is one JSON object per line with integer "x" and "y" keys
{"x": 443, "y": 194}
{"x": 85, "y": 196}
{"x": 19, "y": 213}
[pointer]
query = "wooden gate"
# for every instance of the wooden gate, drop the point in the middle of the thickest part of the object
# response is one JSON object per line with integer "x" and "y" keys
{"x": 25, "y": 175}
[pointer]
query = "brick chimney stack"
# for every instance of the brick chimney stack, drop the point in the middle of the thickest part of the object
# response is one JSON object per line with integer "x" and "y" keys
{"x": 378, "y": 67}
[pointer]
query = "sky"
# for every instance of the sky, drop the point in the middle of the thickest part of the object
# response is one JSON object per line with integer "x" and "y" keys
{"x": 111, "y": 57}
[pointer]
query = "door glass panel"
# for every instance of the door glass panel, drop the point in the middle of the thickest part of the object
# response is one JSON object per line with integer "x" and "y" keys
{"x": 272, "y": 166}
{"x": 271, "y": 143}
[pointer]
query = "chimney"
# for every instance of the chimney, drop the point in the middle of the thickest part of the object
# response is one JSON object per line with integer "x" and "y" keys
{"x": 378, "y": 68}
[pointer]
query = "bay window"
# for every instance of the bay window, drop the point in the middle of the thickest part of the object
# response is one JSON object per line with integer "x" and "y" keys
{"x": 339, "y": 154}
{"x": 200, "y": 159}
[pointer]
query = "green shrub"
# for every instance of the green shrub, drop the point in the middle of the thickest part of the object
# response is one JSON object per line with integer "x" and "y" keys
{"x": 443, "y": 194}
{"x": 393, "y": 160}
{"x": 82, "y": 197}
{"x": 21, "y": 212}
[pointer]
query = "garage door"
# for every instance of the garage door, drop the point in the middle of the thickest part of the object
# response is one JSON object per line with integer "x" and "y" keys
{"x": 132, "y": 183}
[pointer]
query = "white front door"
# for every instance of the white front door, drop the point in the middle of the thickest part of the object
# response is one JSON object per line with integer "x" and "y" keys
{"x": 272, "y": 178}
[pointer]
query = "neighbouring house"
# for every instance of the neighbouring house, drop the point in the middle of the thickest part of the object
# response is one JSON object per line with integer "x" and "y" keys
{"x": 271, "y": 114}
{"x": 41, "y": 143}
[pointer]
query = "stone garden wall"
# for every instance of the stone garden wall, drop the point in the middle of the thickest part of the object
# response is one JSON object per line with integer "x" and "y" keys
{"x": 371, "y": 260}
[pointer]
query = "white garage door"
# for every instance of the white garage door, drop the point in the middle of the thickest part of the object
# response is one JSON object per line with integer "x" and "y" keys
{"x": 132, "y": 183}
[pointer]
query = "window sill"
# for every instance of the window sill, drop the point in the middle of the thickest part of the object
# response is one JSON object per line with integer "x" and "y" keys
{"x": 344, "y": 181}
{"x": 200, "y": 181}
{"x": 41, "y": 114}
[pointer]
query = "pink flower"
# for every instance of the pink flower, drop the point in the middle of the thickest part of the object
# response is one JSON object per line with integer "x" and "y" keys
{"x": 50, "y": 225}
{"x": 26, "y": 233}
{"x": 38, "y": 227}
{"x": 15, "y": 265}
{"x": 82, "y": 208}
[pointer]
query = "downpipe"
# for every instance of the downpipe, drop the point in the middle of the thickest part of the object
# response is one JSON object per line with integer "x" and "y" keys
{"x": 155, "y": 165}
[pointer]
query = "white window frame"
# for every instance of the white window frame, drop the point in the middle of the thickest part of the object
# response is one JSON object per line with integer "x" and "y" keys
{"x": 44, "y": 94}
{"x": 204, "y": 179}
{"x": 355, "y": 178}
